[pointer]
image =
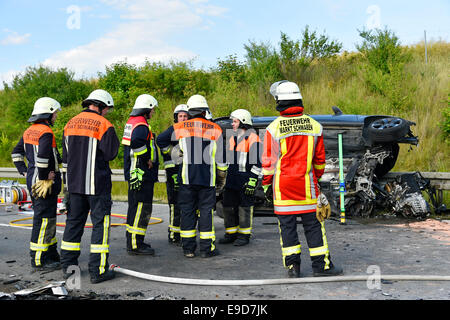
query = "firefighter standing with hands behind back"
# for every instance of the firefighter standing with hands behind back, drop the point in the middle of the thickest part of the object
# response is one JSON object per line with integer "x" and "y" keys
{"x": 89, "y": 143}
{"x": 141, "y": 171}
{"x": 292, "y": 162}
{"x": 43, "y": 181}
{"x": 244, "y": 169}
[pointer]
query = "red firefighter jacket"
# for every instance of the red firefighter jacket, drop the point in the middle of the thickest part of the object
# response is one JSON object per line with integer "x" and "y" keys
{"x": 293, "y": 160}
{"x": 139, "y": 148}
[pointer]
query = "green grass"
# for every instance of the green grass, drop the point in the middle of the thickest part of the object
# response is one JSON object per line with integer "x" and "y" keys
{"x": 120, "y": 192}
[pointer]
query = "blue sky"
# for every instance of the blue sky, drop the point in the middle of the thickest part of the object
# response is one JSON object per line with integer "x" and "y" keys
{"x": 87, "y": 35}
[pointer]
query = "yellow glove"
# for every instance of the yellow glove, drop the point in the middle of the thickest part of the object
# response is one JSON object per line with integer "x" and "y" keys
{"x": 41, "y": 188}
{"x": 323, "y": 210}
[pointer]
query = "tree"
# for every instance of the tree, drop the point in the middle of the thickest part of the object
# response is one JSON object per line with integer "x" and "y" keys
{"x": 311, "y": 46}
{"x": 42, "y": 81}
{"x": 231, "y": 69}
{"x": 382, "y": 49}
{"x": 263, "y": 62}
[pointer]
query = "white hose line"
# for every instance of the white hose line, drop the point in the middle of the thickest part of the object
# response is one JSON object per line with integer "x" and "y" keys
{"x": 259, "y": 282}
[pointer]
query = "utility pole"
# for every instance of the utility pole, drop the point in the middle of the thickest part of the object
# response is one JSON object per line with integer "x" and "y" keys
{"x": 425, "y": 37}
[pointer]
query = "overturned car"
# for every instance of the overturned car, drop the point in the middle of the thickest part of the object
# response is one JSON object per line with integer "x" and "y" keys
{"x": 370, "y": 150}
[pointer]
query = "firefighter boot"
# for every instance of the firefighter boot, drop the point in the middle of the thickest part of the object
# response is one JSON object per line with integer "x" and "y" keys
{"x": 294, "y": 270}
{"x": 175, "y": 239}
{"x": 143, "y": 249}
{"x": 210, "y": 254}
{"x": 242, "y": 240}
{"x": 333, "y": 271}
{"x": 47, "y": 266}
{"x": 228, "y": 238}
{"x": 107, "y": 275}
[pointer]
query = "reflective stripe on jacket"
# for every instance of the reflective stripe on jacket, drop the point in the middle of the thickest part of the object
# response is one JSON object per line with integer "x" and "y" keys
{"x": 89, "y": 143}
{"x": 38, "y": 145}
{"x": 139, "y": 148}
{"x": 293, "y": 160}
{"x": 201, "y": 142}
{"x": 243, "y": 158}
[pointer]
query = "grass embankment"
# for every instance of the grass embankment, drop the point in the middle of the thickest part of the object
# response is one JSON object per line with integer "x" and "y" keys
{"x": 415, "y": 91}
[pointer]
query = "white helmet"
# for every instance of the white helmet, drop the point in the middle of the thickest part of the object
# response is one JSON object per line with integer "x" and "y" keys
{"x": 285, "y": 90}
{"x": 99, "y": 97}
{"x": 180, "y": 108}
{"x": 43, "y": 108}
{"x": 243, "y": 116}
{"x": 143, "y": 104}
{"x": 197, "y": 104}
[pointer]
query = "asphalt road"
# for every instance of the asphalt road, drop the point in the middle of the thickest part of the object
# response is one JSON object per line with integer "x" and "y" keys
{"x": 390, "y": 245}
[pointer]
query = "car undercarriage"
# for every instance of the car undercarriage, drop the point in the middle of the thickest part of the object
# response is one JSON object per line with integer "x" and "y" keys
{"x": 370, "y": 149}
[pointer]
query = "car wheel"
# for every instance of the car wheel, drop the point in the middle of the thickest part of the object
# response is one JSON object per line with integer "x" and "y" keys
{"x": 388, "y": 129}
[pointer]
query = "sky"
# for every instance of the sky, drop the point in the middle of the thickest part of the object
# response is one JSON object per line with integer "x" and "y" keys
{"x": 86, "y": 36}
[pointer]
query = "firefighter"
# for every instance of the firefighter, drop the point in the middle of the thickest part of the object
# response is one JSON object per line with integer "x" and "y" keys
{"x": 202, "y": 171}
{"x": 89, "y": 143}
{"x": 180, "y": 114}
{"x": 43, "y": 177}
{"x": 141, "y": 172}
{"x": 243, "y": 157}
{"x": 293, "y": 161}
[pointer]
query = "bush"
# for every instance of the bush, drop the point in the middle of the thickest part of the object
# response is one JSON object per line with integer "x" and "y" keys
{"x": 263, "y": 63}
{"x": 384, "y": 70}
{"x": 446, "y": 121}
{"x": 231, "y": 69}
{"x": 37, "y": 82}
{"x": 119, "y": 77}
{"x": 382, "y": 50}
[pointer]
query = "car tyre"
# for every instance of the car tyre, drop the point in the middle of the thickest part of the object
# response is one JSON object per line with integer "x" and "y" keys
{"x": 388, "y": 129}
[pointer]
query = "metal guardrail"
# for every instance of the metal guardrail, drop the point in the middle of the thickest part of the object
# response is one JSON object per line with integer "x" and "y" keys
{"x": 117, "y": 174}
{"x": 439, "y": 180}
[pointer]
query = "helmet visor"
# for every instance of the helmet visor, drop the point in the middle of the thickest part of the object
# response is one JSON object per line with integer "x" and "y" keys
{"x": 274, "y": 86}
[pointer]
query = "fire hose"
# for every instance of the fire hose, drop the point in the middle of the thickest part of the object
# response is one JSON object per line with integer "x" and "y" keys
{"x": 15, "y": 223}
{"x": 259, "y": 282}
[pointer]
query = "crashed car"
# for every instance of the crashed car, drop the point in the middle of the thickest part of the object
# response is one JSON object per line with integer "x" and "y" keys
{"x": 370, "y": 150}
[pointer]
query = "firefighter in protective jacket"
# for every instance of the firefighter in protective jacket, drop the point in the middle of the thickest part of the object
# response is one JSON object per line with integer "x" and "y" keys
{"x": 244, "y": 169}
{"x": 43, "y": 177}
{"x": 89, "y": 143}
{"x": 293, "y": 161}
{"x": 141, "y": 172}
{"x": 202, "y": 169}
{"x": 180, "y": 114}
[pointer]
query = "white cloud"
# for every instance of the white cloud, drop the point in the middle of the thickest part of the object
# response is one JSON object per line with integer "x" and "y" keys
{"x": 7, "y": 77}
{"x": 14, "y": 38}
{"x": 211, "y": 10}
{"x": 140, "y": 36}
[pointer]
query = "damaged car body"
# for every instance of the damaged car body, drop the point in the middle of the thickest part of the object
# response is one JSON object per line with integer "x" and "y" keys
{"x": 370, "y": 150}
